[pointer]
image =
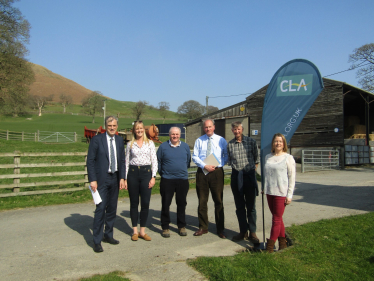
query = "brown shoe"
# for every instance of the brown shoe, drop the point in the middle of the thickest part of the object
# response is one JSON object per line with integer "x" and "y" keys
{"x": 165, "y": 233}
{"x": 145, "y": 237}
{"x": 282, "y": 243}
{"x": 270, "y": 246}
{"x": 182, "y": 231}
{"x": 253, "y": 238}
{"x": 222, "y": 235}
{"x": 200, "y": 232}
{"x": 240, "y": 236}
{"x": 134, "y": 237}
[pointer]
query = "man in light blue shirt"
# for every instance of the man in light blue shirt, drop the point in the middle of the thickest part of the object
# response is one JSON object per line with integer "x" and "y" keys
{"x": 207, "y": 144}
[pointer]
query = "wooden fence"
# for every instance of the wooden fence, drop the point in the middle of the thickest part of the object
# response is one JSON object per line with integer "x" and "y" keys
{"x": 40, "y": 136}
{"x": 17, "y": 176}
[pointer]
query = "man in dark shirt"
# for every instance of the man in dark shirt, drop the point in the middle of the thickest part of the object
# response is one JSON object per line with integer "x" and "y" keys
{"x": 174, "y": 159}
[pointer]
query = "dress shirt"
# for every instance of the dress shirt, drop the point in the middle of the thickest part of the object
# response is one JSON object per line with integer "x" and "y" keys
{"x": 219, "y": 148}
{"x": 172, "y": 145}
{"x": 141, "y": 156}
{"x": 115, "y": 151}
{"x": 243, "y": 155}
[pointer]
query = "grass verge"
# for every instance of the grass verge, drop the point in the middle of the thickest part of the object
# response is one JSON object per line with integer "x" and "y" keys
{"x": 337, "y": 249}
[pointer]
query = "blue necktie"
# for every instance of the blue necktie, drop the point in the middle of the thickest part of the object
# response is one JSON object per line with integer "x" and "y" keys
{"x": 112, "y": 157}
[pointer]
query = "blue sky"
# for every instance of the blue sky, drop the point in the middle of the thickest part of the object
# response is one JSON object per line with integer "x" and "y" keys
{"x": 179, "y": 50}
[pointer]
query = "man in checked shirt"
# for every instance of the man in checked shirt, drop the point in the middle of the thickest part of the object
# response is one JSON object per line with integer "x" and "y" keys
{"x": 243, "y": 158}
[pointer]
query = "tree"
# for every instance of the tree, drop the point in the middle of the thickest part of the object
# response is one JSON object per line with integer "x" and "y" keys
{"x": 39, "y": 102}
{"x": 191, "y": 109}
{"x": 93, "y": 103}
{"x": 363, "y": 58}
{"x": 163, "y": 107}
{"x": 139, "y": 109}
{"x": 211, "y": 109}
{"x": 65, "y": 101}
{"x": 15, "y": 72}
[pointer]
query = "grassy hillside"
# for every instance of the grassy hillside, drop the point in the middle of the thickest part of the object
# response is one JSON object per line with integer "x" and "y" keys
{"x": 65, "y": 123}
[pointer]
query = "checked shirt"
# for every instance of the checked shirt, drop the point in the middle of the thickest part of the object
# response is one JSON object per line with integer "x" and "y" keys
{"x": 243, "y": 155}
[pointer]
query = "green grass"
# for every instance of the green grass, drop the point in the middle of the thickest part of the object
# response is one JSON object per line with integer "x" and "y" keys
{"x": 113, "y": 276}
{"x": 337, "y": 249}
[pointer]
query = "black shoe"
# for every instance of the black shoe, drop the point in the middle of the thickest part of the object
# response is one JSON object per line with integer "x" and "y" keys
{"x": 110, "y": 241}
{"x": 97, "y": 248}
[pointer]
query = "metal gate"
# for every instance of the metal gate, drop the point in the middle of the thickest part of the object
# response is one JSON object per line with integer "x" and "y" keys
{"x": 317, "y": 160}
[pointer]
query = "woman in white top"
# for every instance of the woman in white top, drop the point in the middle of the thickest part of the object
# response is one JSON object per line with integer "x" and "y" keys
{"x": 141, "y": 169}
{"x": 280, "y": 172}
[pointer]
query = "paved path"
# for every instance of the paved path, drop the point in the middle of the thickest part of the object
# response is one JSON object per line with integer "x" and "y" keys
{"x": 55, "y": 243}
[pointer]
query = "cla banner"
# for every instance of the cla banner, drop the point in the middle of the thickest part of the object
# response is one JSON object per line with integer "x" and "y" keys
{"x": 291, "y": 92}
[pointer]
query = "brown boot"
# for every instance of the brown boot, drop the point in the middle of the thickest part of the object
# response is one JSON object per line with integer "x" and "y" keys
{"x": 253, "y": 238}
{"x": 270, "y": 245}
{"x": 282, "y": 243}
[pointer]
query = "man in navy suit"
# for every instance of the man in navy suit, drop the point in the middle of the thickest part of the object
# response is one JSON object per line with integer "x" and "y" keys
{"x": 106, "y": 174}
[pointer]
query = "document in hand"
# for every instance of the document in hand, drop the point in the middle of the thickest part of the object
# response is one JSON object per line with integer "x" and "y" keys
{"x": 210, "y": 160}
{"x": 96, "y": 196}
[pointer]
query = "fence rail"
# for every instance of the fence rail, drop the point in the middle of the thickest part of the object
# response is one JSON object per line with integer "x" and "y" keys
{"x": 40, "y": 136}
{"x": 17, "y": 176}
{"x": 317, "y": 160}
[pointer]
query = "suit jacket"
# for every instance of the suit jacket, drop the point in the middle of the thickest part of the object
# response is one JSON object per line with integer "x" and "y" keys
{"x": 98, "y": 159}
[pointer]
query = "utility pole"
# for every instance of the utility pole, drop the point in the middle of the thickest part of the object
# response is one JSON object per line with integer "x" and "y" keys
{"x": 207, "y": 105}
{"x": 104, "y": 108}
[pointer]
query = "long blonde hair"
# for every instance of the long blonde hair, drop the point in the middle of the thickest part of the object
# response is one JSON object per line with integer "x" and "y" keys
{"x": 285, "y": 148}
{"x": 133, "y": 139}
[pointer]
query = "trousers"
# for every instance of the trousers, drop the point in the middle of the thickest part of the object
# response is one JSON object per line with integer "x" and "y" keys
{"x": 137, "y": 181}
{"x": 276, "y": 206}
{"x": 213, "y": 182}
{"x": 167, "y": 189}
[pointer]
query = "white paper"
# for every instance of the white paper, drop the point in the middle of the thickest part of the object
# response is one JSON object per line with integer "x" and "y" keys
{"x": 210, "y": 160}
{"x": 96, "y": 196}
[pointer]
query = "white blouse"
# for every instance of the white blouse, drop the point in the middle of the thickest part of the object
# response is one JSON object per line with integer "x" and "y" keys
{"x": 141, "y": 156}
{"x": 280, "y": 175}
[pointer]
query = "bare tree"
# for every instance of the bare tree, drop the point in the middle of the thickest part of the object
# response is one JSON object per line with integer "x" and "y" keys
{"x": 191, "y": 109}
{"x": 65, "y": 101}
{"x": 93, "y": 103}
{"x": 164, "y": 108}
{"x": 39, "y": 102}
{"x": 363, "y": 58}
{"x": 139, "y": 108}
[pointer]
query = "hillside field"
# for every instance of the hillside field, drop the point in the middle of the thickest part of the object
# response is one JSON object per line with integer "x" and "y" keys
{"x": 66, "y": 123}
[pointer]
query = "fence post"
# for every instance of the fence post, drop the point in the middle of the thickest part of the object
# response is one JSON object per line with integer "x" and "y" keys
{"x": 35, "y": 136}
{"x": 7, "y": 135}
{"x": 17, "y": 161}
{"x": 38, "y": 135}
{"x": 22, "y": 135}
{"x": 86, "y": 184}
{"x": 302, "y": 161}
{"x": 75, "y": 136}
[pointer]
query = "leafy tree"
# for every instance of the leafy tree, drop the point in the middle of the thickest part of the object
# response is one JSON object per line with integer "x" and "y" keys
{"x": 191, "y": 109}
{"x": 363, "y": 58}
{"x": 15, "y": 72}
{"x": 164, "y": 108}
{"x": 211, "y": 109}
{"x": 65, "y": 101}
{"x": 139, "y": 109}
{"x": 93, "y": 104}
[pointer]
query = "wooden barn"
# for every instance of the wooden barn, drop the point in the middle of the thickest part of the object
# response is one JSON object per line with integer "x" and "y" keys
{"x": 340, "y": 112}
